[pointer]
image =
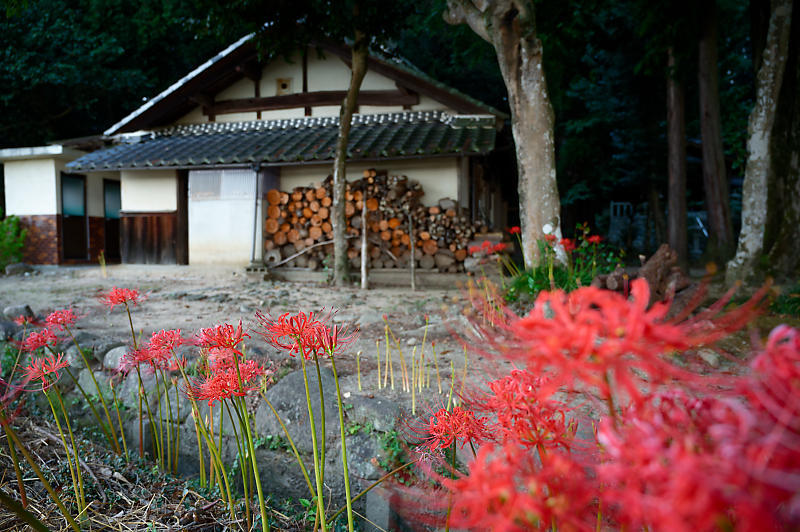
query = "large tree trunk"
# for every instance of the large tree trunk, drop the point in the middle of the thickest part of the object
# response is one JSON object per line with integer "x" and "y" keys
{"x": 782, "y": 232}
{"x": 715, "y": 181}
{"x": 341, "y": 265}
{"x": 510, "y": 26}
{"x": 758, "y": 171}
{"x": 676, "y": 162}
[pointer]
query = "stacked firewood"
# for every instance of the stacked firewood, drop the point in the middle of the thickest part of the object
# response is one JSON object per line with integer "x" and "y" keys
{"x": 298, "y": 226}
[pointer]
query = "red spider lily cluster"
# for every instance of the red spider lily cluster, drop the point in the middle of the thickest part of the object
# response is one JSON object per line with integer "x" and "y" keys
{"x": 158, "y": 353}
{"x": 36, "y": 340}
{"x": 120, "y": 296}
{"x": 22, "y": 320}
{"x": 674, "y": 450}
{"x": 60, "y": 319}
{"x": 226, "y": 381}
{"x": 46, "y": 370}
{"x": 458, "y": 425}
{"x": 304, "y": 334}
{"x": 515, "y": 230}
{"x": 487, "y": 248}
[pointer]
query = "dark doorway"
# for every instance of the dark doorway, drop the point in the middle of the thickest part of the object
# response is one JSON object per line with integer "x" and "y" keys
{"x": 74, "y": 225}
{"x": 112, "y": 206}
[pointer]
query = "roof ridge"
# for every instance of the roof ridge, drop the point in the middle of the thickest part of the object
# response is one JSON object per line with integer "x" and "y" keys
{"x": 210, "y": 128}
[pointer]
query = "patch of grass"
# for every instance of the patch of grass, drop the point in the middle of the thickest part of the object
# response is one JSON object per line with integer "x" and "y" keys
{"x": 788, "y": 302}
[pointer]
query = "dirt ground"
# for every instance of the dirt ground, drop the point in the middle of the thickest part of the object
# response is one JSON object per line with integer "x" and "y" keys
{"x": 192, "y": 297}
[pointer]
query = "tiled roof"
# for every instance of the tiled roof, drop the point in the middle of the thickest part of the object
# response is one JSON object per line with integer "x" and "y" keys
{"x": 394, "y": 135}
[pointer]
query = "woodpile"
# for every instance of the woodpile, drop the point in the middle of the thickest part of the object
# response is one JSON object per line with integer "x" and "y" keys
{"x": 298, "y": 225}
{"x": 663, "y": 275}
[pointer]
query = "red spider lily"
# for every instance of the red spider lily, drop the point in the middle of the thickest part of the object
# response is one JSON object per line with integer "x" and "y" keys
{"x": 594, "y": 239}
{"x": 524, "y": 415}
{"x": 292, "y": 333}
{"x": 334, "y": 340}
{"x": 60, "y": 319}
{"x": 120, "y": 296}
{"x": 550, "y": 239}
{"x": 43, "y": 338}
{"x": 474, "y": 249}
{"x": 499, "y": 247}
{"x": 221, "y": 385}
{"x": 507, "y": 489}
{"x": 46, "y": 369}
{"x": 445, "y": 427}
{"x": 515, "y": 230}
{"x": 224, "y": 336}
{"x": 25, "y": 320}
{"x": 675, "y": 463}
{"x": 568, "y": 244}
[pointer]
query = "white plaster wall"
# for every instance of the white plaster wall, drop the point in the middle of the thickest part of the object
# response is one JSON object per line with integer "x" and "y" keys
{"x": 195, "y": 116}
{"x": 438, "y": 176}
{"x": 327, "y": 74}
{"x": 280, "y": 68}
{"x": 244, "y": 88}
{"x": 376, "y": 82}
{"x": 221, "y": 228}
{"x": 31, "y": 187}
{"x": 148, "y": 190}
{"x": 236, "y": 117}
{"x": 427, "y": 103}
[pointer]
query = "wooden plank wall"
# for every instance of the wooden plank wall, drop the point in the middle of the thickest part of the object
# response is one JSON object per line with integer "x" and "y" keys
{"x": 149, "y": 237}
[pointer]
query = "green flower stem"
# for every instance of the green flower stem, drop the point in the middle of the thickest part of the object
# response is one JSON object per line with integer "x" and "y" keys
{"x": 72, "y": 467}
{"x": 291, "y": 443}
{"x": 344, "y": 446}
{"x": 91, "y": 406}
{"x": 197, "y": 421}
{"x": 261, "y": 503}
{"x": 169, "y": 421}
{"x": 31, "y": 462}
{"x": 119, "y": 421}
{"x": 143, "y": 393}
{"x": 214, "y": 451}
{"x": 115, "y": 443}
{"x": 16, "y": 361}
{"x": 243, "y": 466}
{"x": 317, "y": 474}
{"x": 75, "y": 453}
{"x": 130, "y": 322}
{"x": 20, "y": 484}
{"x": 322, "y": 421}
{"x": 177, "y": 427}
{"x": 22, "y": 513}
{"x": 160, "y": 417}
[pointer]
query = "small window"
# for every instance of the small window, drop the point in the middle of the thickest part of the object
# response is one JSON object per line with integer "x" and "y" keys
{"x": 283, "y": 86}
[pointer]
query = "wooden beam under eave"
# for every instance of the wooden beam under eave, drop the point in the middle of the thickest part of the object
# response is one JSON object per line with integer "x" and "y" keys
{"x": 310, "y": 99}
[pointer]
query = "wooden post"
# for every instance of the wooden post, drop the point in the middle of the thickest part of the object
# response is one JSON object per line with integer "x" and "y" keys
{"x": 411, "y": 258}
{"x": 364, "y": 272}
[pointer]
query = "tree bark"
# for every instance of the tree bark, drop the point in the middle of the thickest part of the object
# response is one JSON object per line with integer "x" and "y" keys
{"x": 715, "y": 180}
{"x": 758, "y": 171}
{"x": 341, "y": 264}
{"x": 510, "y": 27}
{"x": 782, "y": 232}
{"x": 676, "y": 162}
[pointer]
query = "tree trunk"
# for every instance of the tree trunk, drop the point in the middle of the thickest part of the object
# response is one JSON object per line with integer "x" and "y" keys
{"x": 341, "y": 264}
{"x": 510, "y": 26}
{"x": 715, "y": 181}
{"x": 782, "y": 232}
{"x": 758, "y": 170}
{"x": 676, "y": 162}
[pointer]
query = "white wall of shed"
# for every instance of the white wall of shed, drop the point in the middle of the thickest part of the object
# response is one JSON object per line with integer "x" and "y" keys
{"x": 31, "y": 187}
{"x": 149, "y": 190}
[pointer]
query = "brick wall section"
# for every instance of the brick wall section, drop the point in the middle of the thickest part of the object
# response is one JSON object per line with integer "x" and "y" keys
{"x": 97, "y": 236}
{"x": 42, "y": 244}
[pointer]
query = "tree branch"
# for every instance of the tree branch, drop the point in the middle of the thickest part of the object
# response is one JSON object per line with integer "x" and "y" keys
{"x": 466, "y": 12}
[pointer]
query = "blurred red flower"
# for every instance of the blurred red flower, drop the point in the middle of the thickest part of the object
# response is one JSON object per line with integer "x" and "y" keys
{"x": 594, "y": 239}
{"x": 60, "y": 319}
{"x": 514, "y": 230}
{"x": 568, "y": 244}
{"x": 43, "y": 338}
{"x": 120, "y": 296}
